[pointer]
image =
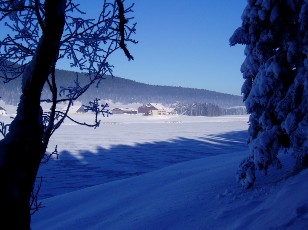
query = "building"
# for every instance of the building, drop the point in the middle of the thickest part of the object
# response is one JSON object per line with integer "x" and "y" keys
{"x": 154, "y": 109}
{"x": 117, "y": 111}
{"x": 80, "y": 110}
{"x": 160, "y": 110}
{"x": 123, "y": 111}
{"x": 74, "y": 109}
{"x": 2, "y": 111}
{"x": 146, "y": 109}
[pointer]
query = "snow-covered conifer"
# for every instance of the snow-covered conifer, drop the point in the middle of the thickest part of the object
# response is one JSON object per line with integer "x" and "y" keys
{"x": 275, "y": 89}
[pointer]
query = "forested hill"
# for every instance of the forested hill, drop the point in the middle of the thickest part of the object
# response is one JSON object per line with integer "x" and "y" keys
{"x": 127, "y": 91}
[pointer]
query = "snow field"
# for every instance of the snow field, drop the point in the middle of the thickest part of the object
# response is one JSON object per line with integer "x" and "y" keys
{"x": 125, "y": 146}
{"x": 172, "y": 172}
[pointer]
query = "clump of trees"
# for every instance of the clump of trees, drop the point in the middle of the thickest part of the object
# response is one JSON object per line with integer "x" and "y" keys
{"x": 40, "y": 33}
{"x": 127, "y": 91}
{"x": 198, "y": 109}
{"x": 275, "y": 89}
{"x": 207, "y": 109}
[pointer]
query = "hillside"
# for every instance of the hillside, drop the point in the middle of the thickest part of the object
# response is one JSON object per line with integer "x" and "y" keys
{"x": 127, "y": 91}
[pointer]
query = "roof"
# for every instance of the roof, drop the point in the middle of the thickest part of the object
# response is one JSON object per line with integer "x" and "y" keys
{"x": 73, "y": 109}
{"x": 158, "y": 106}
{"x": 146, "y": 108}
{"x": 2, "y": 108}
{"x": 81, "y": 110}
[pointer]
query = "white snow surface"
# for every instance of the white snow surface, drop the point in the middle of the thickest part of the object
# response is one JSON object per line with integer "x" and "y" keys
{"x": 166, "y": 172}
{"x": 198, "y": 194}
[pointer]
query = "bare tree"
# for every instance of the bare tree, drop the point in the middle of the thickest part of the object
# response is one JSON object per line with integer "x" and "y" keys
{"x": 40, "y": 34}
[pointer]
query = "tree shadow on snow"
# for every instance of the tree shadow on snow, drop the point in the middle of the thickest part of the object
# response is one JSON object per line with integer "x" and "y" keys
{"x": 72, "y": 172}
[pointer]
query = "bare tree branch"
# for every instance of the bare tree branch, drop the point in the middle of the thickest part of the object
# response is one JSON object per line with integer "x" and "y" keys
{"x": 38, "y": 15}
{"x": 87, "y": 44}
{"x": 123, "y": 21}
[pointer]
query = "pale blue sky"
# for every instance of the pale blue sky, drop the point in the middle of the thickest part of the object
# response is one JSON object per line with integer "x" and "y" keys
{"x": 185, "y": 43}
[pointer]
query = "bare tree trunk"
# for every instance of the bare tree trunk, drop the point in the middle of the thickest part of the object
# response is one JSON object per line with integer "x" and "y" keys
{"x": 22, "y": 149}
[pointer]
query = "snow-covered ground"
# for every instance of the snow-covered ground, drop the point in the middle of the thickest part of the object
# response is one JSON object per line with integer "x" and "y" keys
{"x": 130, "y": 145}
{"x": 168, "y": 172}
{"x": 198, "y": 194}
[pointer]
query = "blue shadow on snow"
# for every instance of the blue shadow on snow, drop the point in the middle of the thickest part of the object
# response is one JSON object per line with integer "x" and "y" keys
{"x": 70, "y": 173}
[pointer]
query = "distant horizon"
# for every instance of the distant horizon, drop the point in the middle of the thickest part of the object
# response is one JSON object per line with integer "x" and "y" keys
{"x": 155, "y": 84}
{"x": 181, "y": 44}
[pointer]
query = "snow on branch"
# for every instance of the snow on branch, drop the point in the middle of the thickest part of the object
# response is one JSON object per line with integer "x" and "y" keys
{"x": 275, "y": 74}
{"x": 87, "y": 43}
{"x": 18, "y": 47}
{"x": 35, "y": 204}
{"x": 4, "y": 128}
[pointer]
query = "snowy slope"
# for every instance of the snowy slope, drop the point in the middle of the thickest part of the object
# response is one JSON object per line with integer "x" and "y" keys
{"x": 199, "y": 194}
{"x": 165, "y": 173}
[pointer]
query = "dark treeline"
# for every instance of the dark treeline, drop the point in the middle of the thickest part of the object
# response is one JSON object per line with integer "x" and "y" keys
{"x": 127, "y": 91}
{"x": 207, "y": 109}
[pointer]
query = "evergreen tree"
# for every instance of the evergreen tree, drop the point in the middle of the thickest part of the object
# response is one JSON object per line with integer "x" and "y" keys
{"x": 276, "y": 85}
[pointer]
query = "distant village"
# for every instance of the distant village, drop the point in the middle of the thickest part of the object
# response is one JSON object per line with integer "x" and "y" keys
{"x": 158, "y": 109}
{"x": 151, "y": 109}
